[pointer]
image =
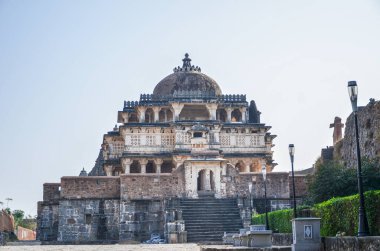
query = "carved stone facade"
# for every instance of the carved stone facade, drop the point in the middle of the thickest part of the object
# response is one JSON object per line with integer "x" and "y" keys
{"x": 186, "y": 140}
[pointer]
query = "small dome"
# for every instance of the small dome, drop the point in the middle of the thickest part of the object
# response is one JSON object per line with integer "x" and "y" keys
{"x": 187, "y": 79}
{"x": 83, "y": 172}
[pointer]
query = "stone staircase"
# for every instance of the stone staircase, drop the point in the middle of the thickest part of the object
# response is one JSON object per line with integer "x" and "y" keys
{"x": 206, "y": 219}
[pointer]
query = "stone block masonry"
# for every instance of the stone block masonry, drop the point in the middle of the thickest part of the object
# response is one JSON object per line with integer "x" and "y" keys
{"x": 141, "y": 218}
{"x": 88, "y": 220}
{"x": 51, "y": 191}
{"x": 90, "y": 187}
{"x": 151, "y": 186}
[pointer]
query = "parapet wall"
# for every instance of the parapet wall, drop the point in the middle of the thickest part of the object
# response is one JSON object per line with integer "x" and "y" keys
{"x": 90, "y": 187}
{"x": 277, "y": 184}
{"x": 151, "y": 186}
{"x": 51, "y": 191}
{"x": 301, "y": 184}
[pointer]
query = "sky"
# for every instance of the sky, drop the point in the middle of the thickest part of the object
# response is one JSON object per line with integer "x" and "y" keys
{"x": 67, "y": 66}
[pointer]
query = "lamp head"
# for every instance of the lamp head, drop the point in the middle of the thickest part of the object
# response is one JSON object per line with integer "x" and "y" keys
{"x": 264, "y": 171}
{"x": 353, "y": 93}
{"x": 291, "y": 150}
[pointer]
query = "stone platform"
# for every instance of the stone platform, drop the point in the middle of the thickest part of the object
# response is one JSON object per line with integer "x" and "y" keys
{"x": 138, "y": 247}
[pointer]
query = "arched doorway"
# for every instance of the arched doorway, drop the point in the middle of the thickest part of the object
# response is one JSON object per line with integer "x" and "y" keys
{"x": 201, "y": 180}
{"x": 206, "y": 180}
{"x": 236, "y": 115}
{"x": 135, "y": 167}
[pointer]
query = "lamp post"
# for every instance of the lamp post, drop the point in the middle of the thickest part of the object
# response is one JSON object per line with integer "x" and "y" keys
{"x": 291, "y": 153}
{"x": 363, "y": 223}
{"x": 264, "y": 171}
{"x": 250, "y": 196}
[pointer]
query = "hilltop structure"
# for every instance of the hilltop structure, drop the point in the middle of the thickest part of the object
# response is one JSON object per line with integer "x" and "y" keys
{"x": 186, "y": 150}
{"x": 344, "y": 148}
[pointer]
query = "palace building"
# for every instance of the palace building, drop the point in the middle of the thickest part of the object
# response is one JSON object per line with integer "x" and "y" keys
{"x": 178, "y": 164}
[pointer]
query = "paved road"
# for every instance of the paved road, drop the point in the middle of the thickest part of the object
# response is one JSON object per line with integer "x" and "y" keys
{"x": 137, "y": 247}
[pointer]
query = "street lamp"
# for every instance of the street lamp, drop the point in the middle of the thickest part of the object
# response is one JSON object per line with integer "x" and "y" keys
{"x": 363, "y": 223}
{"x": 264, "y": 171}
{"x": 250, "y": 196}
{"x": 291, "y": 153}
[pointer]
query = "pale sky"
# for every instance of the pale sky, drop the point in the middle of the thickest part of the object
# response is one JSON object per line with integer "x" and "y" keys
{"x": 67, "y": 66}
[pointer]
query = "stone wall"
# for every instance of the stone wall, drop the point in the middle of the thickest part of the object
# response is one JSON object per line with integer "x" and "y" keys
{"x": 88, "y": 220}
{"x": 369, "y": 135}
{"x": 90, "y": 187}
{"x": 51, "y": 191}
{"x": 350, "y": 243}
{"x": 301, "y": 184}
{"x": 140, "y": 218}
{"x": 277, "y": 184}
{"x": 151, "y": 186}
{"x": 47, "y": 221}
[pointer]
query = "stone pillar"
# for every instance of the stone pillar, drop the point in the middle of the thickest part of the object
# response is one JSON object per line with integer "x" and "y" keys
{"x": 229, "y": 112}
{"x": 156, "y": 111}
{"x": 224, "y": 167}
{"x": 243, "y": 114}
{"x": 124, "y": 115}
{"x": 108, "y": 169}
{"x": 212, "y": 110}
{"x": 143, "y": 163}
{"x": 142, "y": 111}
{"x": 207, "y": 181}
{"x": 158, "y": 163}
{"x": 177, "y": 108}
{"x": 126, "y": 165}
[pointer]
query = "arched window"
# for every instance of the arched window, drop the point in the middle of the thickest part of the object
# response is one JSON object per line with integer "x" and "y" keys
{"x": 150, "y": 167}
{"x": 135, "y": 167}
{"x": 167, "y": 166}
{"x": 236, "y": 116}
{"x": 221, "y": 115}
{"x": 132, "y": 117}
{"x": 149, "y": 115}
{"x": 241, "y": 166}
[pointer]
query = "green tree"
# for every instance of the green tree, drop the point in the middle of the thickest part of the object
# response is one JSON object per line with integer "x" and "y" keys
{"x": 332, "y": 179}
{"x": 18, "y": 215}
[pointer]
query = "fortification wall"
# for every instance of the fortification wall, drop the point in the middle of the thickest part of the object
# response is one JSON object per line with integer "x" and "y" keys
{"x": 151, "y": 186}
{"x": 90, "y": 187}
{"x": 47, "y": 221}
{"x": 277, "y": 184}
{"x": 88, "y": 220}
{"x": 369, "y": 135}
{"x": 140, "y": 218}
{"x": 51, "y": 191}
{"x": 301, "y": 184}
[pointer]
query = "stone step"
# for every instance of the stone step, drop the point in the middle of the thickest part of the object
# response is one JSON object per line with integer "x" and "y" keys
{"x": 204, "y": 221}
{"x": 208, "y": 219}
{"x": 222, "y": 215}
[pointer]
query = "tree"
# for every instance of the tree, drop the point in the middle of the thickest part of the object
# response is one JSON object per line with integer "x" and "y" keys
{"x": 18, "y": 215}
{"x": 332, "y": 179}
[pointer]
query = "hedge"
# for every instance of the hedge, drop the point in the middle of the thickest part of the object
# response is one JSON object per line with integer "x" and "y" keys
{"x": 337, "y": 215}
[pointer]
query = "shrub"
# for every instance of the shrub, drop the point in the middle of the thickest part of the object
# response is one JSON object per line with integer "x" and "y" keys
{"x": 337, "y": 214}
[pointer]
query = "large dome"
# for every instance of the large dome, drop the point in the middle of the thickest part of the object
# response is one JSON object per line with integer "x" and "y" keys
{"x": 186, "y": 79}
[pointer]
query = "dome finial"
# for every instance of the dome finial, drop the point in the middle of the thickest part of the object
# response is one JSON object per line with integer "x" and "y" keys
{"x": 186, "y": 61}
{"x": 187, "y": 65}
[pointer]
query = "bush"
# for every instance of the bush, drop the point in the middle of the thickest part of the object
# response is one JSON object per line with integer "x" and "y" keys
{"x": 341, "y": 214}
{"x": 278, "y": 220}
{"x": 337, "y": 214}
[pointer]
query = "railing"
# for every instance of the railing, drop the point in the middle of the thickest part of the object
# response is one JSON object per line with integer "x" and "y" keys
{"x": 233, "y": 98}
{"x": 185, "y": 95}
{"x": 130, "y": 104}
{"x": 194, "y": 94}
